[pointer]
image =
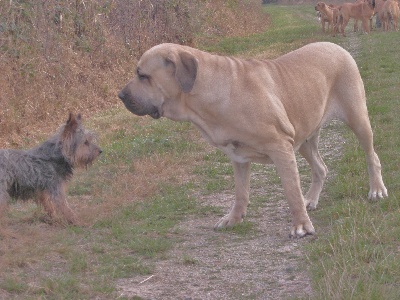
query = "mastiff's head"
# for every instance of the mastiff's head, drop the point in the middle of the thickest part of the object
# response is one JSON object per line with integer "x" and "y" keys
{"x": 163, "y": 74}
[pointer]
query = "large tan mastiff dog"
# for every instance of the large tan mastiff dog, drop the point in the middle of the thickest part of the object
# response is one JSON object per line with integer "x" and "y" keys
{"x": 260, "y": 111}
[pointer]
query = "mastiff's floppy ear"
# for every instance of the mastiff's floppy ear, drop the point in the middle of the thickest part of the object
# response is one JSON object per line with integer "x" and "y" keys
{"x": 185, "y": 69}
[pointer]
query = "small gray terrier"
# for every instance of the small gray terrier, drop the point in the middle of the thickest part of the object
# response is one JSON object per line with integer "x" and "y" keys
{"x": 42, "y": 173}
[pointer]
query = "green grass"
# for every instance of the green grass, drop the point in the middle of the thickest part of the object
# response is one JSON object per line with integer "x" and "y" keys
{"x": 291, "y": 27}
{"x": 360, "y": 257}
{"x": 127, "y": 243}
{"x": 13, "y": 285}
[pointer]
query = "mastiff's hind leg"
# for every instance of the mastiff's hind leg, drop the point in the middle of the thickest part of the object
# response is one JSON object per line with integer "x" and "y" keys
{"x": 359, "y": 123}
{"x": 309, "y": 150}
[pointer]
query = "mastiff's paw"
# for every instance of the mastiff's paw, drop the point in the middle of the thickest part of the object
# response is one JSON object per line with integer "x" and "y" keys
{"x": 310, "y": 205}
{"x": 378, "y": 193}
{"x": 301, "y": 230}
{"x": 228, "y": 221}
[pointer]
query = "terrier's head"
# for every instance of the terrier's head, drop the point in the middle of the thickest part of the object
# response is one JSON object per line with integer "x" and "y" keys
{"x": 78, "y": 144}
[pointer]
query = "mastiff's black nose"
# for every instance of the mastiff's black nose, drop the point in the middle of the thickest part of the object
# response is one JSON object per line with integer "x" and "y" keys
{"x": 121, "y": 95}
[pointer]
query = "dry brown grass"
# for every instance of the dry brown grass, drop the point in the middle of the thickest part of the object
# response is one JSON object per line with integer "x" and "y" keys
{"x": 51, "y": 66}
{"x": 232, "y": 18}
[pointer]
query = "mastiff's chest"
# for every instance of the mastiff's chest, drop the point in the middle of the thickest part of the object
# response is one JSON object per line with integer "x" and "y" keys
{"x": 241, "y": 152}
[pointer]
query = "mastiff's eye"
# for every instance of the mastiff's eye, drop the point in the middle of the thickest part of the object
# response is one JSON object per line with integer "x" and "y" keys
{"x": 141, "y": 76}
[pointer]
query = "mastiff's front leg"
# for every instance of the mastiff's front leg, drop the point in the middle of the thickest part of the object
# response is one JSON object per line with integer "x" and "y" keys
{"x": 286, "y": 165}
{"x": 242, "y": 186}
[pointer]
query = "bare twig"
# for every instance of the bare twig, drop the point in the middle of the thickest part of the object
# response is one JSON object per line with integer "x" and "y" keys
{"x": 146, "y": 279}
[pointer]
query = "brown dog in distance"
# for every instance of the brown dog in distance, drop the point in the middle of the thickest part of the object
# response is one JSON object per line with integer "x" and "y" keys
{"x": 361, "y": 10}
{"x": 260, "y": 111}
{"x": 389, "y": 15}
{"x": 329, "y": 14}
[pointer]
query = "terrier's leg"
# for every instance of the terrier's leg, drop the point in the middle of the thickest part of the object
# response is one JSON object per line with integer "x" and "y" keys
{"x": 4, "y": 199}
{"x": 63, "y": 208}
{"x": 44, "y": 199}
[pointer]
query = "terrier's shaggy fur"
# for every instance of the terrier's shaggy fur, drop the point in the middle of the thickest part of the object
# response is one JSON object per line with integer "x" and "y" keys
{"x": 42, "y": 173}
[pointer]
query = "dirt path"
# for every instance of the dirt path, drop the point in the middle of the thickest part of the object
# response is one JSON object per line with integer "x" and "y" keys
{"x": 263, "y": 264}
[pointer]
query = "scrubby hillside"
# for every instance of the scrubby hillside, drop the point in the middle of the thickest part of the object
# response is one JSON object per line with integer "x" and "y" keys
{"x": 61, "y": 56}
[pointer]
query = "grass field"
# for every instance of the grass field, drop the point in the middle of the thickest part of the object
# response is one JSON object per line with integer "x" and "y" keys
{"x": 148, "y": 177}
{"x": 360, "y": 257}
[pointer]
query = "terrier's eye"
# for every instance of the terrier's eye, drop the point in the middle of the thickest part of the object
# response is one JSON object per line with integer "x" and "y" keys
{"x": 87, "y": 143}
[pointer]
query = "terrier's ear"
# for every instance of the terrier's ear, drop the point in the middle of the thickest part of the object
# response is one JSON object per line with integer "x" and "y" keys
{"x": 71, "y": 125}
{"x": 185, "y": 69}
{"x": 70, "y": 117}
{"x": 73, "y": 118}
